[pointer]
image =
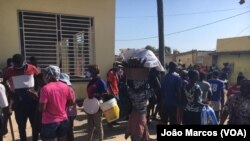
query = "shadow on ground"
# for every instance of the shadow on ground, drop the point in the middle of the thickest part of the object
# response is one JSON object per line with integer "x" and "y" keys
{"x": 115, "y": 133}
{"x": 110, "y": 133}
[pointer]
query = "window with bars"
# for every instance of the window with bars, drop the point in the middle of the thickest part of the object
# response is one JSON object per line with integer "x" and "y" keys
{"x": 57, "y": 39}
{"x": 200, "y": 59}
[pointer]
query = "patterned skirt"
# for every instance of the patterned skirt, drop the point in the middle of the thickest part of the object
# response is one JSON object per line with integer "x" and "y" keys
{"x": 137, "y": 127}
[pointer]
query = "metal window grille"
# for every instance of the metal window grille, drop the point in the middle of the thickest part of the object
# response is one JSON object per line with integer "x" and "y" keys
{"x": 57, "y": 39}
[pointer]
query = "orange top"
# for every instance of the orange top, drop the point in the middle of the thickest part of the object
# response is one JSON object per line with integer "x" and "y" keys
{"x": 113, "y": 81}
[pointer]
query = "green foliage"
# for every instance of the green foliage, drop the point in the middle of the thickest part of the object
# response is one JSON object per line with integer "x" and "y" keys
{"x": 156, "y": 50}
{"x": 168, "y": 50}
{"x": 148, "y": 47}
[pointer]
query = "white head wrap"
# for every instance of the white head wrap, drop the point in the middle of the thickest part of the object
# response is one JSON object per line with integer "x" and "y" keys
{"x": 53, "y": 71}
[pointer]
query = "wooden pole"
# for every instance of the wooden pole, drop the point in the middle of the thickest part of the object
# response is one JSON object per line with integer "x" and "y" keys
{"x": 11, "y": 129}
{"x": 161, "y": 32}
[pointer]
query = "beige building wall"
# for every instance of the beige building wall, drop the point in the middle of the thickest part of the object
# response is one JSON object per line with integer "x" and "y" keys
{"x": 169, "y": 58}
{"x": 233, "y": 44}
{"x": 103, "y": 12}
{"x": 186, "y": 58}
{"x": 195, "y": 57}
{"x": 233, "y": 49}
{"x": 204, "y": 58}
{"x": 240, "y": 63}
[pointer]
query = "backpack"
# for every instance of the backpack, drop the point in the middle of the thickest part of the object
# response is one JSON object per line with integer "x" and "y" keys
{"x": 208, "y": 116}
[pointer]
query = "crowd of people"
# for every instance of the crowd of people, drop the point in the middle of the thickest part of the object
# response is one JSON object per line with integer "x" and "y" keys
{"x": 46, "y": 97}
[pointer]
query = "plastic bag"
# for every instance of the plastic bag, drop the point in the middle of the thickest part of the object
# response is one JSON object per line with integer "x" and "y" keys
{"x": 208, "y": 116}
{"x": 151, "y": 60}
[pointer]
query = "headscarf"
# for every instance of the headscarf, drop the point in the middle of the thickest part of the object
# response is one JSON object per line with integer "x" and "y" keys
{"x": 52, "y": 72}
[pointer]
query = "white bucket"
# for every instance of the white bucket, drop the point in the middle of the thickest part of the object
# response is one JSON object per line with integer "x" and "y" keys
{"x": 110, "y": 110}
{"x": 3, "y": 98}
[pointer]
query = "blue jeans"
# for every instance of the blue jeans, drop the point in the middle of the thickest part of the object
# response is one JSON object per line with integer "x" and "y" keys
{"x": 54, "y": 130}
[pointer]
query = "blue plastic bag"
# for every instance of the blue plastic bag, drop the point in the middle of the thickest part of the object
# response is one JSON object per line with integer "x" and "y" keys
{"x": 208, "y": 116}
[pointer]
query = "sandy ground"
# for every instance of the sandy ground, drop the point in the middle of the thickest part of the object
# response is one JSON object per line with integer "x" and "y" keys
{"x": 115, "y": 133}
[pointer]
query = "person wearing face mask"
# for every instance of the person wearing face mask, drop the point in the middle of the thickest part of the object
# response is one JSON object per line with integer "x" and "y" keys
{"x": 113, "y": 86}
{"x": 20, "y": 81}
{"x": 113, "y": 81}
{"x": 96, "y": 89}
{"x": 88, "y": 74}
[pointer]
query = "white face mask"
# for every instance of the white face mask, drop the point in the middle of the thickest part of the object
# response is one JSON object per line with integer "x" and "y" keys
{"x": 120, "y": 72}
{"x": 88, "y": 74}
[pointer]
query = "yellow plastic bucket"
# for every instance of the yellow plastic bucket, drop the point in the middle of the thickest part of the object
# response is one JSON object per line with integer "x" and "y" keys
{"x": 110, "y": 110}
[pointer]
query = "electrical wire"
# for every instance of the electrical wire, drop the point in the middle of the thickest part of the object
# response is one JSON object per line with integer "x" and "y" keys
{"x": 186, "y": 14}
{"x": 244, "y": 29}
{"x": 193, "y": 28}
{"x": 188, "y": 29}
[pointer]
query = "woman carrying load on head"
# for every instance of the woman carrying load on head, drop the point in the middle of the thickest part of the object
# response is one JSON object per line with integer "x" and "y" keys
{"x": 138, "y": 93}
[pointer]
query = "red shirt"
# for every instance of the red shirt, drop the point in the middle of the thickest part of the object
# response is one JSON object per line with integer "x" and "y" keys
{"x": 20, "y": 79}
{"x": 55, "y": 95}
{"x": 235, "y": 89}
{"x": 113, "y": 82}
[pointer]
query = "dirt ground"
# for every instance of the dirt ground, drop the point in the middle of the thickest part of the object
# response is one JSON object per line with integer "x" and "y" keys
{"x": 115, "y": 133}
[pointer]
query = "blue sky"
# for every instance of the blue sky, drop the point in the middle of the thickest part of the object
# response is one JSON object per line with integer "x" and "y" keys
{"x": 137, "y": 19}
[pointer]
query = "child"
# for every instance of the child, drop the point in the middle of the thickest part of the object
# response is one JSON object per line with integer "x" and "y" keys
{"x": 71, "y": 110}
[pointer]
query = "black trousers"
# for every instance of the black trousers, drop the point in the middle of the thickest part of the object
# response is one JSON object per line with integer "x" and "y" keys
{"x": 23, "y": 112}
{"x": 169, "y": 114}
{"x": 191, "y": 118}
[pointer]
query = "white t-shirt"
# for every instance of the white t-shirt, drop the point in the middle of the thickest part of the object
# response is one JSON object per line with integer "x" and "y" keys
{"x": 3, "y": 97}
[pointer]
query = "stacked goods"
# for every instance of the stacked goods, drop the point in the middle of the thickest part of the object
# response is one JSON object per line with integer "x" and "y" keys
{"x": 143, "y": 57}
